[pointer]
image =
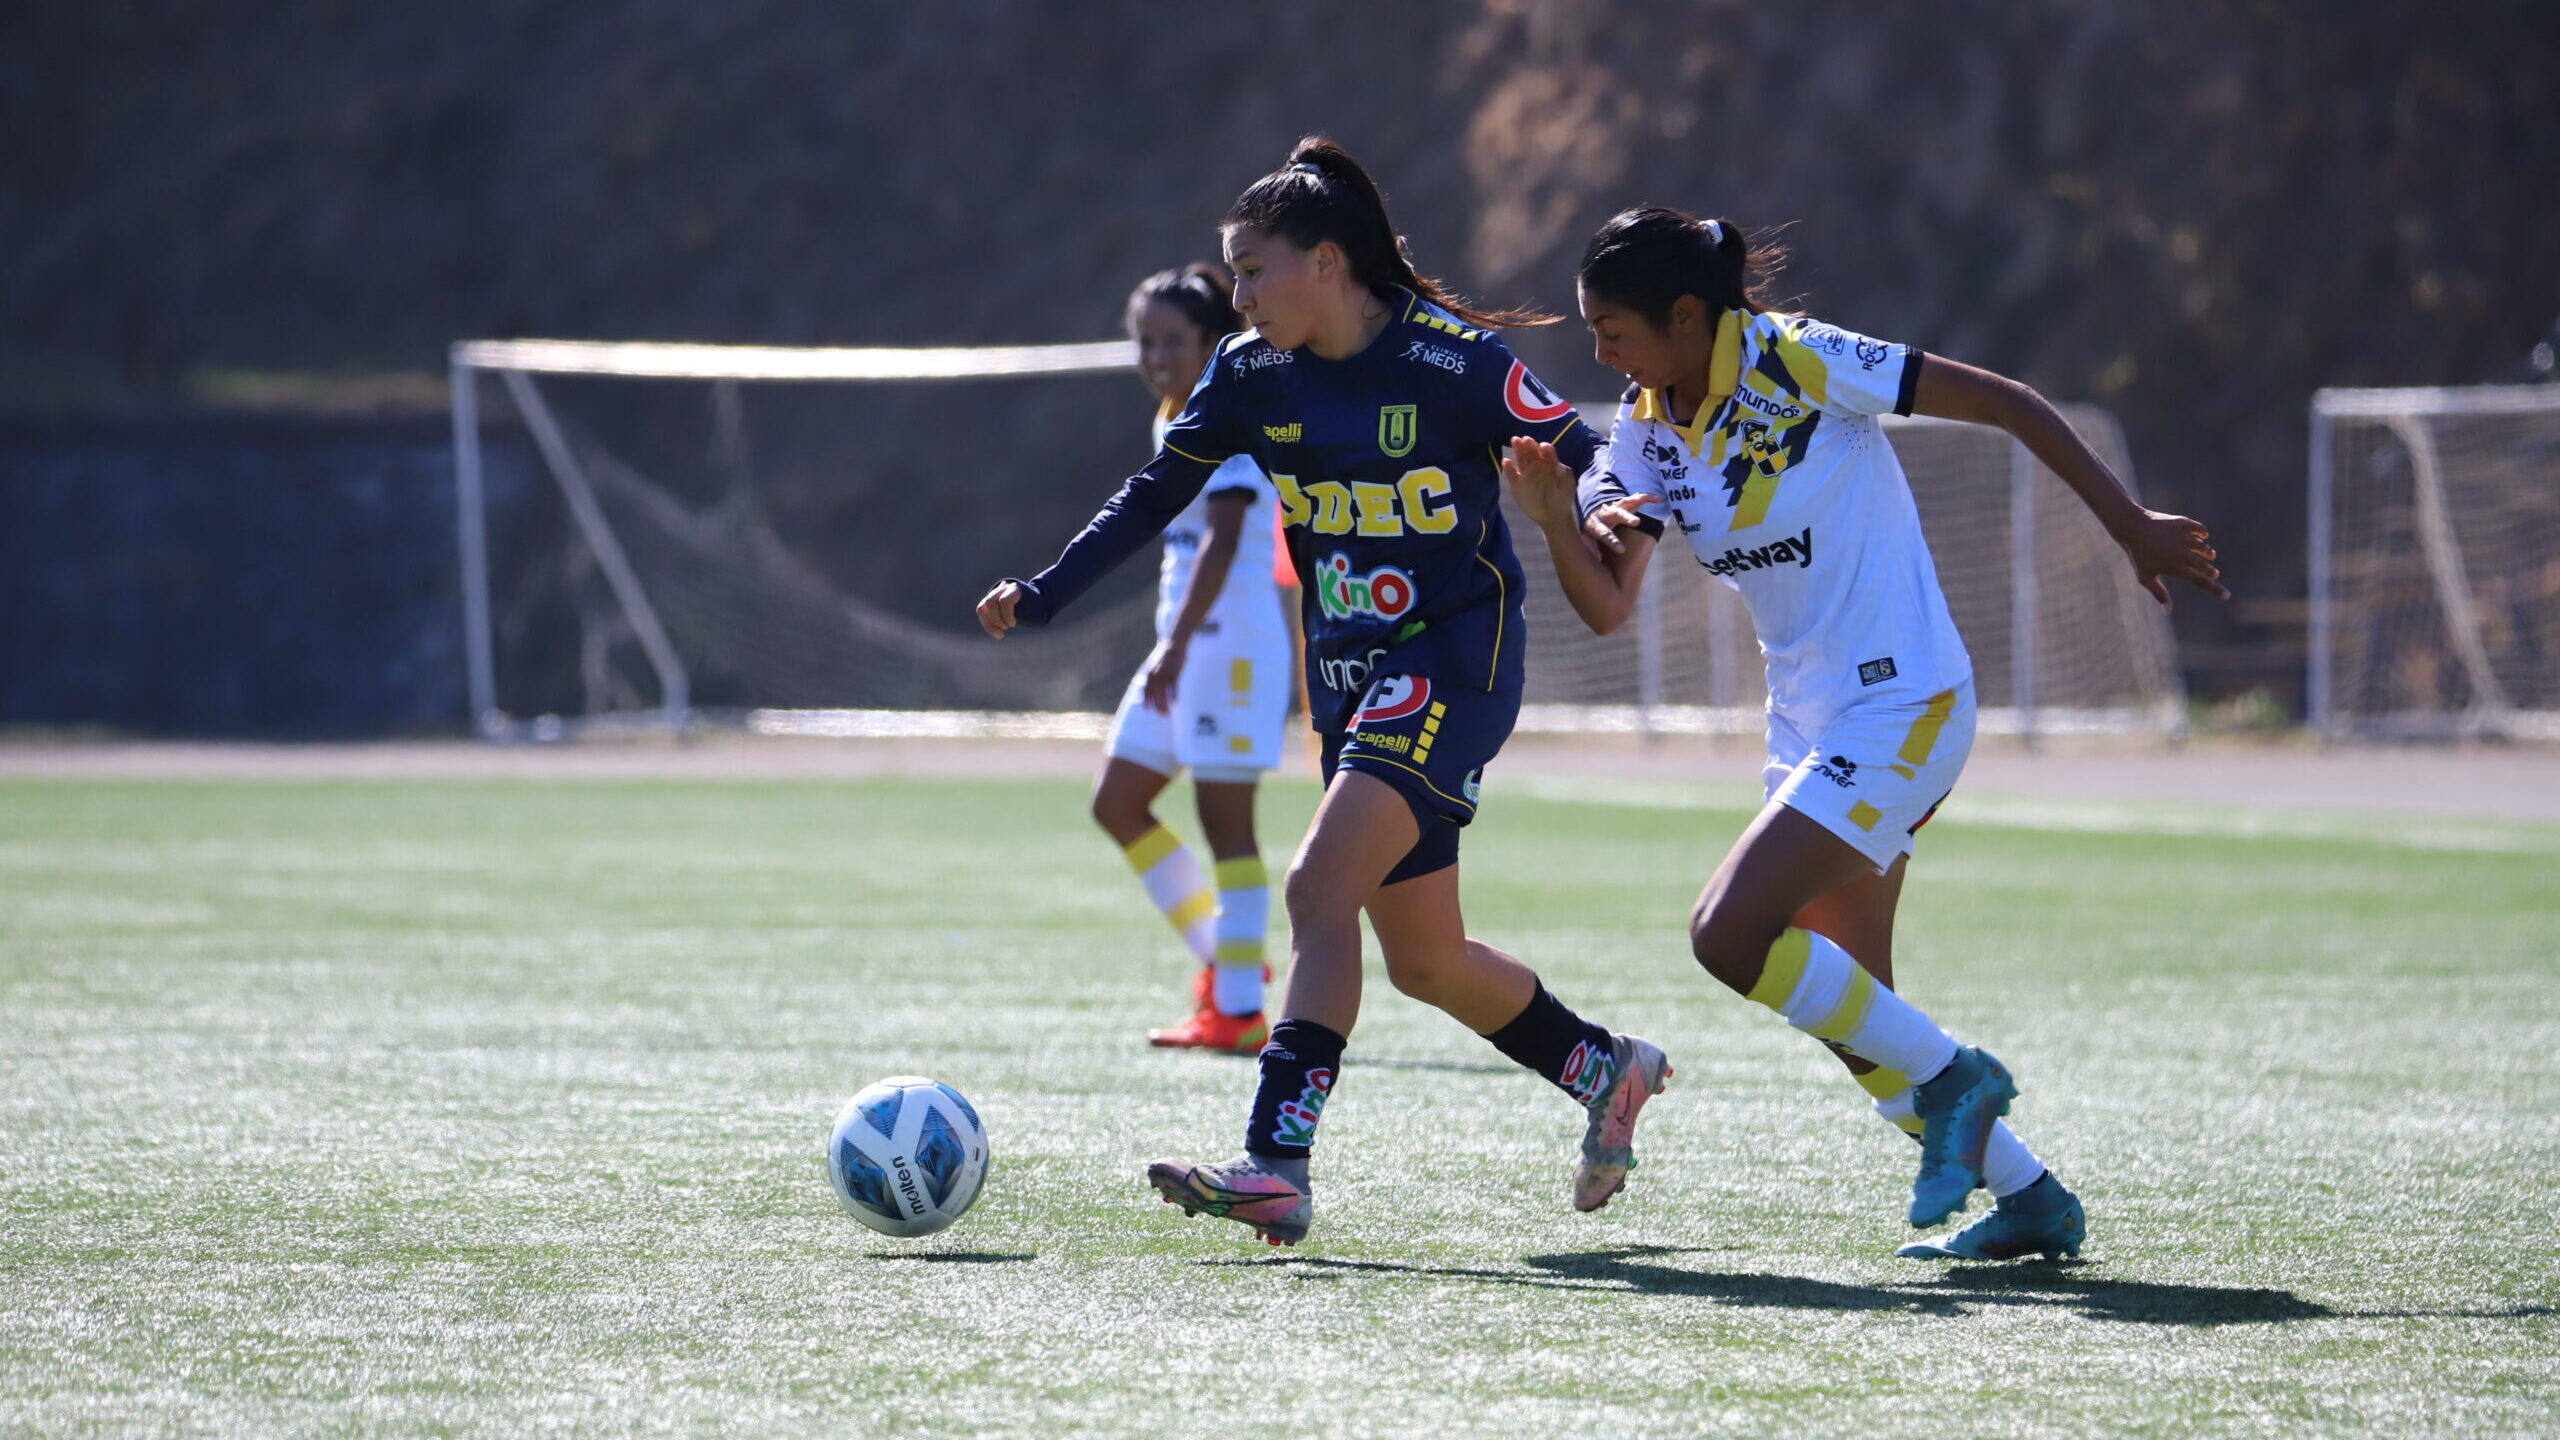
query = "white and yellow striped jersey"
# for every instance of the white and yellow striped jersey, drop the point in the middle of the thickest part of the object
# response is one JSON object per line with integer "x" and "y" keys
{"x": 1785, "y": 488}
{"x": 1249, "y": 602}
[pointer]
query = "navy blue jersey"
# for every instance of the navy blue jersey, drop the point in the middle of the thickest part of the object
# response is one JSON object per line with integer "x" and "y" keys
{"x": 1390, "y": 492}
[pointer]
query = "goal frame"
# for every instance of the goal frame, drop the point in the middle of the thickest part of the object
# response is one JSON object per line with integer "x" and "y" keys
{"x": 515, "y": 363}
{"x": 518, "y": 364}
{"x": 2490, "y": 714}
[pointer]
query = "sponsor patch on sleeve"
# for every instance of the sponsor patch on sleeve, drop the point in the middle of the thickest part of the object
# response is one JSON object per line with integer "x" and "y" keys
{"x": 1530, "y": 401}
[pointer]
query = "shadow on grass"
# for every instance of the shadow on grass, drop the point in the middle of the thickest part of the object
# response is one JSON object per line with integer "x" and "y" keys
{"x": 2063, "y": 1284}
{"x": 954, "y": 1257}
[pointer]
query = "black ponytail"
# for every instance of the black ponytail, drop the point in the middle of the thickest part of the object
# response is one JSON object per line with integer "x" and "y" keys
{"x": 1203, "y": 291}
{"x": 1647, "y": 259}
{"x": 1322, "y": 194}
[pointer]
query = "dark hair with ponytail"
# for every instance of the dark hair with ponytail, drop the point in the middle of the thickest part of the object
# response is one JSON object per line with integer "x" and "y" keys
{"x": 1203, "y": 291}
{"x": 1647, "y": 259}
{"x": 1322, "y": 194}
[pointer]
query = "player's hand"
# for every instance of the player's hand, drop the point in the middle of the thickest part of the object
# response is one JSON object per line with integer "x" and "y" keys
{"x": 2163, "y": 547}
{"x": 995, "y": 613}
{"x": 1163, "y": 673}
{"x": 1602, "y": 525}
{"x": 1539, "y": 482}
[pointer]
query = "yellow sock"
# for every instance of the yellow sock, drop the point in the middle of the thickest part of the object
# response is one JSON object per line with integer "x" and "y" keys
{"x": 1826, "y": 994}
{"x": 1173, "y": 881}
{"x": 1244, "y": 913}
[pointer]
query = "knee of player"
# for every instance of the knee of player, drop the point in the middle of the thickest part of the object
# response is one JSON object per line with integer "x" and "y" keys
{"x": 1729, "y": 942}
{"x": 1114, "y": 812}
{"x": 1415, "y": 977}
{"x": 1311, "y": 901}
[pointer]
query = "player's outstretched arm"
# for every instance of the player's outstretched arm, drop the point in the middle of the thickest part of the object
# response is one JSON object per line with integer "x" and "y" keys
{"x": 1145, "y": 504}
{"x": 2160, "y": 545}
{"x": 1602, "y": 584}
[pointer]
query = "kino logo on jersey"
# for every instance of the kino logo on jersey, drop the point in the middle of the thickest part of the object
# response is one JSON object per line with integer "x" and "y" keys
{"x": 1385, "y": 592}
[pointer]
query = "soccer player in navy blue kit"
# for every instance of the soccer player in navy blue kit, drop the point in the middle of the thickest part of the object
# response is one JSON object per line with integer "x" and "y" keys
{"x": 1377, "y": 402}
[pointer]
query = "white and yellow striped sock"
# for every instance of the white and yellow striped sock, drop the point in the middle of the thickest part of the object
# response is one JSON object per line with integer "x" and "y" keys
{"x": 2008, "y": 1166}
{"x": 1826, "y": 994}
{"x": 1173, "y": 881}
{"x": 1244, "y": 913}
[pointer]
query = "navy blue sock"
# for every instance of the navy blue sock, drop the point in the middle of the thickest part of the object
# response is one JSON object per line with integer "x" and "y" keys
{"x": 1574, "y": 1055}
{"x": 1299, "y": 1063}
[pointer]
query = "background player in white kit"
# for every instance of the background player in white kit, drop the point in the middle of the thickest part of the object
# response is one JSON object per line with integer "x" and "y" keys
{"x": 1213, "y": 697}
{"x": 1754, "y": 433}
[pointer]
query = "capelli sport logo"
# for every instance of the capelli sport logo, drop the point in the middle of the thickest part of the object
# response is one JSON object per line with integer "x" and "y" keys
{"x": 1399, "y": 426}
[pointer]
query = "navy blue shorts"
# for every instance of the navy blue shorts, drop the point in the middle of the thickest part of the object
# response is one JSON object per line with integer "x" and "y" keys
{"x": 1431, "y": 743}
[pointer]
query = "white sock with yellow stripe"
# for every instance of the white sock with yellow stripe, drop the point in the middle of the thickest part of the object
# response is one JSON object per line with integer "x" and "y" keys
{"x": 1244, "y": 913}
{"x": 1174, "y": 882}
{"x": 2008, "y": 1166}
{"x": 1829, "y": 996}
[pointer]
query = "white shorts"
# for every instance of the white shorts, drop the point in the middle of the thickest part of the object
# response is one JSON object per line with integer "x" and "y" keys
{"x": 1876, "y": 773}
{"x": 1230, "y": 712}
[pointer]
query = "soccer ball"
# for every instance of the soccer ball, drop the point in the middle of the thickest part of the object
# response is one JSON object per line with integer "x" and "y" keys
{"x": 907, "y": 1156}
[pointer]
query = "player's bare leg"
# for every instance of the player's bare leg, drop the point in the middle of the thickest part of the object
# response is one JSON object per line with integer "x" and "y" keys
{"x": 1430, "y": 957}
{"x": 1360, "y": 831}
{"x": 1743, "y": 933}
{"x": 2032, "y": 1213}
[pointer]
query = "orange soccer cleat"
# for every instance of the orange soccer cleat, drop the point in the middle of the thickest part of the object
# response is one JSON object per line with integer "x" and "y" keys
{"x": 1209, "y": 1030}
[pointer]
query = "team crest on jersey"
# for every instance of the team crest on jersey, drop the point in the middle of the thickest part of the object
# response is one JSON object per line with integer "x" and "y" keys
{"x": 1385, "y": 592}
{"x": 1398, "y": 427}
{"x": 1768, "y": 452}
{"x": 1765, "y": 451}
{"x": 1829, "y": 339}
{"x": 1395, "y": 697}
{"x": 1530, "y": 400}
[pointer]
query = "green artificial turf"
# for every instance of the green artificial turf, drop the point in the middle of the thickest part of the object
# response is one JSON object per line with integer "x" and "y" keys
{"x": 435, "y": 1108}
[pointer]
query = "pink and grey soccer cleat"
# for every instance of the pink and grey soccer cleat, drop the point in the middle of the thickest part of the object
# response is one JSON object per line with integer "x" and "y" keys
{"x": 1608, "y": 1152}
{"x": 1250, "y": 1190}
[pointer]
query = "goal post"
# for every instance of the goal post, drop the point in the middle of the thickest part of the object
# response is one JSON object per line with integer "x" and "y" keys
{"x": 714, "y": 548}
{"x": 2433, "y": 563}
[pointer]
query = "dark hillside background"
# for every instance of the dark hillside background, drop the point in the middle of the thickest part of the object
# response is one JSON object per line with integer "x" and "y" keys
{"x": 2194, "y": 212}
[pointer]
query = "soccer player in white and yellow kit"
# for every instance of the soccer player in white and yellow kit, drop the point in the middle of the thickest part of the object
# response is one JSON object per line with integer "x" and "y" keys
{"x": 1755, "y": 434}
{"x": 1213, "y": 696}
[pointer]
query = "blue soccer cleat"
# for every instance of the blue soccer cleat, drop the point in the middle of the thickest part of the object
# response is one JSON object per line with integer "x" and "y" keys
{"x": 2043, "y": 1219}
{"x": 1957, "y": 1108}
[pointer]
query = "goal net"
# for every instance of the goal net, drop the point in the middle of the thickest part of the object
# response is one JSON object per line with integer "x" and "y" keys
{"x": 792, "y": 539}
{"x": 2062, "y": 639}
{"x": 2434, "y": 563}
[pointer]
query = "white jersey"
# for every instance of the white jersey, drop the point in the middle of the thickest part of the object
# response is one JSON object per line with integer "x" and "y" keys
{"x": 1788, "y": 491}
{"x": 1249, "y": 602}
